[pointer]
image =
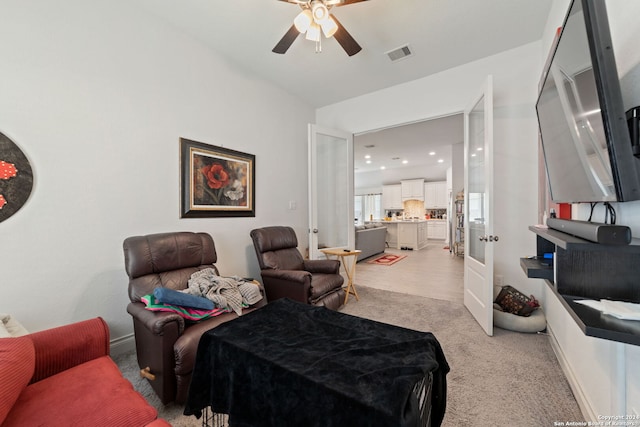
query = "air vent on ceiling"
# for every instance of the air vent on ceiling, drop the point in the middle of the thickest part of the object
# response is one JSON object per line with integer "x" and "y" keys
{"x": 399, "y": 53}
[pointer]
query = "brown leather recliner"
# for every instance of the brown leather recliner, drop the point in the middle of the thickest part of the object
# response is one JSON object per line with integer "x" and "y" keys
{"x": 164, "y": 341}
{"x": 286, "y": 274}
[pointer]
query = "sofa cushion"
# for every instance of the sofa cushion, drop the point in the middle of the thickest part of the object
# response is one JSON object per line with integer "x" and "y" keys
{"x": 107, "y": 399}
{"x": 17, "y": 362}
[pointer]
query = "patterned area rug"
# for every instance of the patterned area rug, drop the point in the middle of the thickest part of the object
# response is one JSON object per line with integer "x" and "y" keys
{"x": 387, "y": 259}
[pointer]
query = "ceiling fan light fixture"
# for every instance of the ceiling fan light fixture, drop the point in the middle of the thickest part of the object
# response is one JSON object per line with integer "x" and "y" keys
{"x": 303, "y": 21}
{"x": 329, "y": 27}
{"x": 319, "y": 11}
{"x": 313, "y": 33}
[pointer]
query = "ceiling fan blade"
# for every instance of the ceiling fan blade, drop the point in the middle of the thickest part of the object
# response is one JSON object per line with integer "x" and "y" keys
{"x": 348, "y": 43}
{"x": 346, "y": 2}
{"x": 286, "y": 41}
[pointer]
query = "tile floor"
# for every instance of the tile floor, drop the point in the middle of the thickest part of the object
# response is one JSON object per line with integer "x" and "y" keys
{"x": 430, "y": 272}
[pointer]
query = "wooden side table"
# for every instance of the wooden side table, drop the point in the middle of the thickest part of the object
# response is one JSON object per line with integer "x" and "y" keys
{"x": 349, "y": 268}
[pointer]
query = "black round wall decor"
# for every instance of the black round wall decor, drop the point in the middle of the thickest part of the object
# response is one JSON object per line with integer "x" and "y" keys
{"x": 16, "y": 178}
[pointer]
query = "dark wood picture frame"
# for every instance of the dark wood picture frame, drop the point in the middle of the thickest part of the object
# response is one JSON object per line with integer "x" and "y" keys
{"x": 216, "y": 181}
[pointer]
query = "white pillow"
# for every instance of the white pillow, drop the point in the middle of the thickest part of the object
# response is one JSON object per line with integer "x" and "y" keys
{"x": 3, "y": 331}
{"x": 11, "y": 326}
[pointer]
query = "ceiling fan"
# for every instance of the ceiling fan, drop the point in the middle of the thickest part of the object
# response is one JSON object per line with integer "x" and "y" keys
{"x": 315, "y": 20}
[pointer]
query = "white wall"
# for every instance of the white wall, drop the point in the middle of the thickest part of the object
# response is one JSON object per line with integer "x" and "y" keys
{"x": 97, "y": 94}
{"x": 515, "y": 73}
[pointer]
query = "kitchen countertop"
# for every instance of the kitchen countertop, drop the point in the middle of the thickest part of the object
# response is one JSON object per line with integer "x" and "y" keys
{"x": 406, "y": 221}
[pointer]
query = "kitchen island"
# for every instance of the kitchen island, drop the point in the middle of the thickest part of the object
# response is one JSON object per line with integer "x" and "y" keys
{"x": 414, "y": 234}
{"x": 407, "y": 234}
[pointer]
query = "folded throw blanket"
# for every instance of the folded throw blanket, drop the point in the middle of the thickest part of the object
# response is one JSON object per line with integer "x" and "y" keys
{"x": 182, "y": 299}
{"x": 227, "y": 292}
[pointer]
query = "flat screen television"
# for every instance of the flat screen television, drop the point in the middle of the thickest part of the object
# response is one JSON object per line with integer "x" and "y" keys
{"x": 583, "y": 127}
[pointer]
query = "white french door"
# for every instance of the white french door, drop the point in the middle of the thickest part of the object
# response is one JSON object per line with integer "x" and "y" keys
{"x": 331, "y": 200}
{"x": 478, "y": 198}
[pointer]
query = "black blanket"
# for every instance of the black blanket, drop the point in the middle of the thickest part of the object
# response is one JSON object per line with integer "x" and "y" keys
{"x": 291, "y": 364}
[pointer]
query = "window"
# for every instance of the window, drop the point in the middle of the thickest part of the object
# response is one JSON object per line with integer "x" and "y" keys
{"x": 367, "y": 206}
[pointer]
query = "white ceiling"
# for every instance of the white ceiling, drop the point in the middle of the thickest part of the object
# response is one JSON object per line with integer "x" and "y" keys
{"x": 441, "y": 34}
{"x": 425, "y": 146}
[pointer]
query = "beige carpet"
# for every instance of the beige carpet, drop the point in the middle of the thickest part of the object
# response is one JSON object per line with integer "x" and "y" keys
{"x": 508, "y": 379}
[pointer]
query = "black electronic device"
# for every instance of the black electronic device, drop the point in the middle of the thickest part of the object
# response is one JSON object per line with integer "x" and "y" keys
{"x": 606, "y": 234}
{"x": 633, "y": 117}
{"x": 583, "y": 129}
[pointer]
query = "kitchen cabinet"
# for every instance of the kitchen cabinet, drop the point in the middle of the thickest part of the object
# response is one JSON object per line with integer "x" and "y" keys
{"x": 407, "y": 235}
{"x": 437, "y": 229}
{"x": 435, "y": 195}
{"x": 423, "y": 234}
{"x": 412, "y": 235}
{"x": 412, "y": 189}
{"x": 392, "y": 197}
{"x": 392, "y": 233}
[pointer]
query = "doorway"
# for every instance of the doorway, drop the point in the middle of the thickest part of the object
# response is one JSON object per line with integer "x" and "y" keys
{"x": 408, "y": 151}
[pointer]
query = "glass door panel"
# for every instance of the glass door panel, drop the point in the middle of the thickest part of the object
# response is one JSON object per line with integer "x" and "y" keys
{"x": 331, "y": 190}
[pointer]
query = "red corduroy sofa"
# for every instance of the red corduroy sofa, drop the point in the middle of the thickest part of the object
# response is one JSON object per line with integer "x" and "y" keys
{"x": 65, "y": 377}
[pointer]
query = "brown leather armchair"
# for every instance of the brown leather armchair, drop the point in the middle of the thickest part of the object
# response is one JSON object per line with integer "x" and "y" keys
{"x": 286, "y": 274}
{"x": 164, "y": 341}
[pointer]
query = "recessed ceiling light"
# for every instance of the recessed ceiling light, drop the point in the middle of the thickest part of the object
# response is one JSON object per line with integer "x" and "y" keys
{"x": 383, "y": 167}
{"x": 479, "y": 148}
{"x": 433, "y": 153}
{"x": 368, "y": 162}
{"x": 440, "y": 161}
{"x": 367, "y": 156}
{"x": 473, "y": 155}
{"x": 404, "y": 162}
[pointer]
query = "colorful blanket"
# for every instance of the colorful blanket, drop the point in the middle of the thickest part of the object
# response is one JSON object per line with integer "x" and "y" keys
{"x": 188, "y": 313}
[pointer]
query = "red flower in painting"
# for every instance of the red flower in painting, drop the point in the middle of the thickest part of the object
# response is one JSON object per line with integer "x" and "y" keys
{"x": 7, "y": 170}
{"x": 217, "y": 176}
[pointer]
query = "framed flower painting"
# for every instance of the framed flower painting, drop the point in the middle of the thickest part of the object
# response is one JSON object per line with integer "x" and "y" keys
{"x": 216, "y": 181}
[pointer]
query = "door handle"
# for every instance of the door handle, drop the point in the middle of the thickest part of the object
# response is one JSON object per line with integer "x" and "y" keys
{"x": 489, "y": 238}
{"x": 493, "y": 238}
{"x": 315, "y": 231}
{"x": 483, "y": 238}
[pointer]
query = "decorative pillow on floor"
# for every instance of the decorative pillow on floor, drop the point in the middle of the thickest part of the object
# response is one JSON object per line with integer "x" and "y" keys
{"x": 17, "y": 363}
{"x": 535, "y": 322}
{"x": 513, "y": 301}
